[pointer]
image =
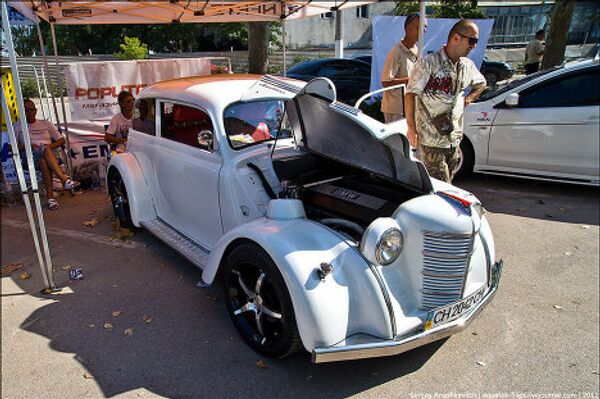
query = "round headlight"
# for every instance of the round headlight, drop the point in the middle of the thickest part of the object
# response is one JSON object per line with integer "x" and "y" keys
{"x": 382, "y": 242}
{"x": 389, "y": 246}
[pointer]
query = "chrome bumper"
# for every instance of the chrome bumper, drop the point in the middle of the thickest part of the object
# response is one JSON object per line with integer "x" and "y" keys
{"x": 379, "y": 348}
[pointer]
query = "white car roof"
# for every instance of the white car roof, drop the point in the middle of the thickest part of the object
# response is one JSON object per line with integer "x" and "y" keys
{"x": 214, "y": 91}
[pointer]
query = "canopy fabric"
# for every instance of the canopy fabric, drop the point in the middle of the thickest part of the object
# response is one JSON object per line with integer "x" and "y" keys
{"x": 175, "y": 11}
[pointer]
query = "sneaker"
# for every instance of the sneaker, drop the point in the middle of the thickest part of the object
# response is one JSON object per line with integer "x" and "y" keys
{"x": 53, "y": 204}
{"x": 71, "y": 184}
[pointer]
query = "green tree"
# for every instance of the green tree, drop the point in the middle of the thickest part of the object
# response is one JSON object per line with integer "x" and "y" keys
{"x": 406, "y": 7}
{"x": 445, "y": 9}
{"x": 132, "y": 49}
{"x": 556, "y": 41}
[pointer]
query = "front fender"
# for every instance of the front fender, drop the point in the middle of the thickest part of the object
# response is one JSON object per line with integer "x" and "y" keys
{"x": 141, "y": 204}
{"x": 349, "y": 300}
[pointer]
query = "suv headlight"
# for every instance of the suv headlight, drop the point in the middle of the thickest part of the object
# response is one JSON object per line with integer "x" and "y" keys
{"x": 382, "y": 242}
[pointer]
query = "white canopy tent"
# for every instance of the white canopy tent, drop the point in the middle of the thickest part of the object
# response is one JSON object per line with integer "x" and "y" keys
{"x": 138, "y": 12}
{"x": 177, "y": 11}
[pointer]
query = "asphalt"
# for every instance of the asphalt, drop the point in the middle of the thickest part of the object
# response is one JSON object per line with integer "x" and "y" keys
{"x": 539, "y": 337}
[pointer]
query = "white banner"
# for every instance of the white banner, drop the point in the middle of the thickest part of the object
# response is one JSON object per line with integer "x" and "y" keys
{"x": 93, "y": 87}
{"x": 387, "y": 31}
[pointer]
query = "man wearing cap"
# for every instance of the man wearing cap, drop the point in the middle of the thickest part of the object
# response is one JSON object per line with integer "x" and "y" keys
{"x": 436, "y": 100}
{"x": 399, "y": 63}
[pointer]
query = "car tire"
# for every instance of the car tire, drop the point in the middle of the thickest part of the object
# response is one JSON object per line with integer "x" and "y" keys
{"x": 491, "y": 78}
{"x": 258, "y": 302}
{"x": 466, "y": 161}
{"x": 119, "y": 199}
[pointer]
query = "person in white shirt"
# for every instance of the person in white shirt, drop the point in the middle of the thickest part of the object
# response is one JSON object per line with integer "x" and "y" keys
{"x": 534, "y": 52}
{"x": 399, "y": 63}
{"x": 119, "y": 126}
{"x": 44, "y": 138}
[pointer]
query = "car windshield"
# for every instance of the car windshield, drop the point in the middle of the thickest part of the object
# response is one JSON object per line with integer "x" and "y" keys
{"x": 249, "y": 123}
{"x": 512, "y": 84}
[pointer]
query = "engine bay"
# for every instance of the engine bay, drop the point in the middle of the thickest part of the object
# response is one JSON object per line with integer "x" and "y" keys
{"x": 343, "y": 197}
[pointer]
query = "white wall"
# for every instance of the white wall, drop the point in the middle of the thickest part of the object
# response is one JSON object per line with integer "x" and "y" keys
{"x": 320, "y": 32}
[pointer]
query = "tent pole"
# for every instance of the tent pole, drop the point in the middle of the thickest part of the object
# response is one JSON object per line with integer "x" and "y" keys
{"x": 45, "y": 264}
{"x": 283, "y": 44}
{"x": 62, "y": 100}
{"x": 339, "y": 34}
{"x": 45, "y": 57}
{"x": 23, "y": 185}
{"x": 421, "y": 26}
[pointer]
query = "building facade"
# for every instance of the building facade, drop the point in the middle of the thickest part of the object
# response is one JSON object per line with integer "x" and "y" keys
{"x": 515, "y": 24}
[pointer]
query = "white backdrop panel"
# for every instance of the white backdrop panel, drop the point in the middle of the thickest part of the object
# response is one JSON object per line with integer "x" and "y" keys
{"x": 387, "y": 31}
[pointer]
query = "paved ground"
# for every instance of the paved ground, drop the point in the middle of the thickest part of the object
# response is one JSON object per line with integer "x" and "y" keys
{"x": 539, "y": 336}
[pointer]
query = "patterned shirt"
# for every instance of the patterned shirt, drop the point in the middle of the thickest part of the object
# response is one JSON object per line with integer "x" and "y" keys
{"x": 399, "y": 63}
{"x": 440, "y": 85}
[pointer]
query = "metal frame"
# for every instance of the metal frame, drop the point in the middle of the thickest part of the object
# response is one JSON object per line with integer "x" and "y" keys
{"x": 44, "y": 257}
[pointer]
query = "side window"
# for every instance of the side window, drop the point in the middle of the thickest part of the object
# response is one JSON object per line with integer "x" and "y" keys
{"x": 578, "y": 90}
{"x": 335, "y": 70}
{"x": 144, "y": 116}
{"x": 186, "y": 125}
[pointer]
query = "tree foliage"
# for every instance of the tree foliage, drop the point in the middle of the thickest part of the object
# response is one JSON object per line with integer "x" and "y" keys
{"x": 168, "y": 38}
{"x": 132, "y": 49}
{"x": 445, "y": 9}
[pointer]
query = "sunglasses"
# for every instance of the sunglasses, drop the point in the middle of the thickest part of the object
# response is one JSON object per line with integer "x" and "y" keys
{"x": 472, "y": 40}
{"x": 30, "y": 109}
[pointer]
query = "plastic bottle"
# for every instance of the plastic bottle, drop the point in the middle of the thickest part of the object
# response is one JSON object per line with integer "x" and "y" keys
{"x": 95, "y": 180}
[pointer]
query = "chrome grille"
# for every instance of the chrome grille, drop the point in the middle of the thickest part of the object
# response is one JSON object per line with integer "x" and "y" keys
{"x": 445, "y": 261}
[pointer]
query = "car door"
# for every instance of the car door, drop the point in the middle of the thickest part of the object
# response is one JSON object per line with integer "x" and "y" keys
{"x": 554, "y": 128}
{"x": 142, "y": 140}
{"x": 187, "y": 173}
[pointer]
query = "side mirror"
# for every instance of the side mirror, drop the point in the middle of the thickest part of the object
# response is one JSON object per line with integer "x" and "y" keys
{"x": 205, "y": 139}
{"x": 512, "y": 100}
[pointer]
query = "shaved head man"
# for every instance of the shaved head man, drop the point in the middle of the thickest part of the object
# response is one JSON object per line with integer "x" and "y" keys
{"x": 436, "y": 99}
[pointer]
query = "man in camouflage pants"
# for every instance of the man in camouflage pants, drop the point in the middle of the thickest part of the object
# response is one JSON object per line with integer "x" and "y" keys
{"x": 437, "y": 86}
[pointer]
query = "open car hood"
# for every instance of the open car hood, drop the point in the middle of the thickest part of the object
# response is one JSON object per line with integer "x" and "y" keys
{"x": 345, "y": 134}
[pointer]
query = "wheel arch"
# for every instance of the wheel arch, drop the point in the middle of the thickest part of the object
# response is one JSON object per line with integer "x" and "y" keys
{"x": 141, "y": 204}
{"x": 326, "y": 311}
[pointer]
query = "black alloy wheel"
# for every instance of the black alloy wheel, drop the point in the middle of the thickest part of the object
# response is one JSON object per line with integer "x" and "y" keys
{"x": 119, "y": 199}
{"x": 258, "y": 302}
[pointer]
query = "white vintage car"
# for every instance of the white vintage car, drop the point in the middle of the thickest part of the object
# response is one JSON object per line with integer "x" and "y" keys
{"x": 327, "y": 234}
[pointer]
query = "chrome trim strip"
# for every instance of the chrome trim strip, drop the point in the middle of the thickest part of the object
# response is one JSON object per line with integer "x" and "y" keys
{"x": 280, "y": 84}
{"x": 345, "y": 108}
{"x": 379, "y": 348}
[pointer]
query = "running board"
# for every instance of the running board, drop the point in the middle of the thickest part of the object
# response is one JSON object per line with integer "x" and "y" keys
{"x": 190, "y": 250}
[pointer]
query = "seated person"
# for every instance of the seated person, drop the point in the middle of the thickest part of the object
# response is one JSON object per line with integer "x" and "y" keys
{"x": 44, "y": 138}
{"x": 143, "y": 123}
{"x": 121, "y": 123}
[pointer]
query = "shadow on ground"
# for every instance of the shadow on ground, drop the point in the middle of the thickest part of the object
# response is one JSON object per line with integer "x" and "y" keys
{"x": 535, "y": 199}
{"x": 190, "y": 348}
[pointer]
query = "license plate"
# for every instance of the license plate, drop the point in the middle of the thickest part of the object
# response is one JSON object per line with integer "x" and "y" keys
{"x": 454, "y": 310}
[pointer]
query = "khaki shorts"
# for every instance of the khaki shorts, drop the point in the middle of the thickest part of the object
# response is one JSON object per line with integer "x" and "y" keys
{"x": 440, "y": 162}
